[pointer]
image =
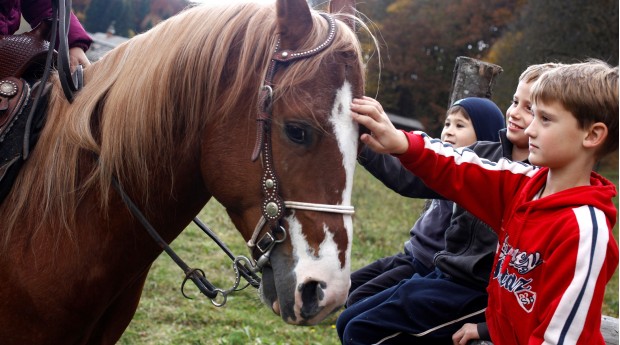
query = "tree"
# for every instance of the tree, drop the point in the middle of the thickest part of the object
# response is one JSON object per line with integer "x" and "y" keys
{"x": 555, "y": 31}
{"x": 128, "y": 15}
{"x": 423, "y": 39}
{"x": 103, "y": 13}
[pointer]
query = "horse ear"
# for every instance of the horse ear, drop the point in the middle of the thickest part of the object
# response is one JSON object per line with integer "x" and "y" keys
{"x": 294, "y": 22}
{"x": 345, "y": 7}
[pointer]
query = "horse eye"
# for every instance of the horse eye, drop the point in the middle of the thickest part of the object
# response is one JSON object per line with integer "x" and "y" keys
{"x": 298, "y": 134}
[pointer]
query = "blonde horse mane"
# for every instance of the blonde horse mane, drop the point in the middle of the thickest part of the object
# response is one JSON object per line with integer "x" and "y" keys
{"x": 156, "y": 91}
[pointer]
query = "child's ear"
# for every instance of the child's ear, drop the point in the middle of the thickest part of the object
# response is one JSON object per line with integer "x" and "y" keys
{"x": 595, "y": 135}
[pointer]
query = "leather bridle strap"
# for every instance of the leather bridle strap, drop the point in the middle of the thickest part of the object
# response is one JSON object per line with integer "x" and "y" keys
{"x": 342, "y": 209}
{"x": 70, "y": 82}
{"x": 270, "y": 239}
{"x": 196, "y": 275}
{"x": 61, "y": 12}
{"x": 246, "y": 272}
{"x": 283, "y": 57}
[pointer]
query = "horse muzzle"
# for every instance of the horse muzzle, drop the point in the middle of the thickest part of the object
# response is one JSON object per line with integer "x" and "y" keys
{"x": 306, "y": 295}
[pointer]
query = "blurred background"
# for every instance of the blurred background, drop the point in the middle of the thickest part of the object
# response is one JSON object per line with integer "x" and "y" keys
{"x": 421, "y": 39}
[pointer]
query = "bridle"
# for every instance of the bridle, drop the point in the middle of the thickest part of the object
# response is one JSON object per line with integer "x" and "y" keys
{"x": 273, "y": 205}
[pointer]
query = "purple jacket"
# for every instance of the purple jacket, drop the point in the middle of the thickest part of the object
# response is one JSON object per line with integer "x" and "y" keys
{"x": 34, "y": 11}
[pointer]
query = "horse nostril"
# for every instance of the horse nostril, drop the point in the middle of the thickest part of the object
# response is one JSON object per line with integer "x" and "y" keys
{"x": 311, "y": 294}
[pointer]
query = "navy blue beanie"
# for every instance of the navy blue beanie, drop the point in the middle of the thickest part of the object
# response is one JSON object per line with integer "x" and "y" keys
{"x": 485, "y": 115}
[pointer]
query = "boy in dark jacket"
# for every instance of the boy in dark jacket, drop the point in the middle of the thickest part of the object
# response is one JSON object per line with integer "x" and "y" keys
{"x": 482, "y": 121}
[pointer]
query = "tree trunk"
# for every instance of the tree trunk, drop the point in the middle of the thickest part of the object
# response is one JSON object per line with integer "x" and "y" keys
{"x": 473, "y": 78}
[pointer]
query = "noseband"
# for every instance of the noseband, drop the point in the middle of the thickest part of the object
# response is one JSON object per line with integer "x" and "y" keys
{"x": 273, "y": 205}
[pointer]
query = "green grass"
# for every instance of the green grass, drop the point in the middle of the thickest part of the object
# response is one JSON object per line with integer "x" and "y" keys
{"x": 164, "y": 316}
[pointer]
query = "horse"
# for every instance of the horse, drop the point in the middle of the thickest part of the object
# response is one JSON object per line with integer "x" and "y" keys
{"x": 180, "y": 115}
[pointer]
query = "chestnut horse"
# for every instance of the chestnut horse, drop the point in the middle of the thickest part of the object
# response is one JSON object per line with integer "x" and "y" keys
{"x": 172, "y": 115}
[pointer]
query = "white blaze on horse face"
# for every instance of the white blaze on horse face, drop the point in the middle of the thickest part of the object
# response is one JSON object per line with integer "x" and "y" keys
{"x": 322, "y": 267}
{"x": 325, "y": 266}
{"x": 347, "y": 135}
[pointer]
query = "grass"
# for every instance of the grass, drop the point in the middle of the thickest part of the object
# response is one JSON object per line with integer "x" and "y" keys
{"x": 164, "y": 316}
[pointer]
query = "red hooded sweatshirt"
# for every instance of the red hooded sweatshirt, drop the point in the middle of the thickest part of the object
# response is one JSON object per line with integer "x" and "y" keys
{"x": 555, "y": 255}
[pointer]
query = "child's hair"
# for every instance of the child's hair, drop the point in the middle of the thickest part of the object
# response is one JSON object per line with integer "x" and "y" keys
{"x": 589, "y": 91}
{"x": 533, "y": 72}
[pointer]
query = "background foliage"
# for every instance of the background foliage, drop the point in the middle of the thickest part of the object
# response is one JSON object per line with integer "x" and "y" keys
{"x": 421, "y": 39}
{"x": 128, "y": 17}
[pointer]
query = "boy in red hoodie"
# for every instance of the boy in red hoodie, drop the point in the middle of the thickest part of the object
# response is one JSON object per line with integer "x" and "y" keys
{"x": 556, "y": 249}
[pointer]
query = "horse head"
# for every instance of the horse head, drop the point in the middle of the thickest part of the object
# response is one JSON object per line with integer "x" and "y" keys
{"x": 307, "y": 161}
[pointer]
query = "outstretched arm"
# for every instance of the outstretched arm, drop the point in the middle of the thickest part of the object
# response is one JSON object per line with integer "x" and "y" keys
{"x": 388, "y": 169}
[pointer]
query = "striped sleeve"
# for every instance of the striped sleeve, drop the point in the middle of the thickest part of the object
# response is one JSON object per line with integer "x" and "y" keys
{"x": 482, "y": 187}
{"x": 576, "y": 310}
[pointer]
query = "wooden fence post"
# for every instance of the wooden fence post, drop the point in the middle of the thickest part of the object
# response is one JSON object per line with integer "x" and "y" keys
{"x": 473, "y": 78}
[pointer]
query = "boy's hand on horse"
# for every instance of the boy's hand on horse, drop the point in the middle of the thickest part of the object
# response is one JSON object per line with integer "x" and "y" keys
{"x": 383, "y": 137}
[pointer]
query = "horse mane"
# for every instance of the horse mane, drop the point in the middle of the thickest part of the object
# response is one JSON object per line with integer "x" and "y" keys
{"x": 158, "y": 90}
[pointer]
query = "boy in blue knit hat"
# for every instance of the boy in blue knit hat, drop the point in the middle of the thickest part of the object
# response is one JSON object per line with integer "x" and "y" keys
{"x": 482, "y": 113}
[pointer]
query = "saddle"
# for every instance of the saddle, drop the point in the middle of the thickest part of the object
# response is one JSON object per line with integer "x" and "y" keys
{"x": 22, "y": 63}
{"x": 23, "y": 55}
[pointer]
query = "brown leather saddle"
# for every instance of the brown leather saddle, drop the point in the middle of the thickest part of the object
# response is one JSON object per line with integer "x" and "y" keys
{"x": 23, "y": 55}
{"x": 22, "y": 64}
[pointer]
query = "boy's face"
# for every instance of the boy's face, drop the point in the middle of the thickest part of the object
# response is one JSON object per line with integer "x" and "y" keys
{"x": 554, "y": 136}
{"x": 458, "y": 130}
{"x": 519, "y": 115}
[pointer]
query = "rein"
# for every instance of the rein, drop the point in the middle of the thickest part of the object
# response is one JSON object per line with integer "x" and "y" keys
{"x": 70, "y": 82}
{"x": 196, "y": 275}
